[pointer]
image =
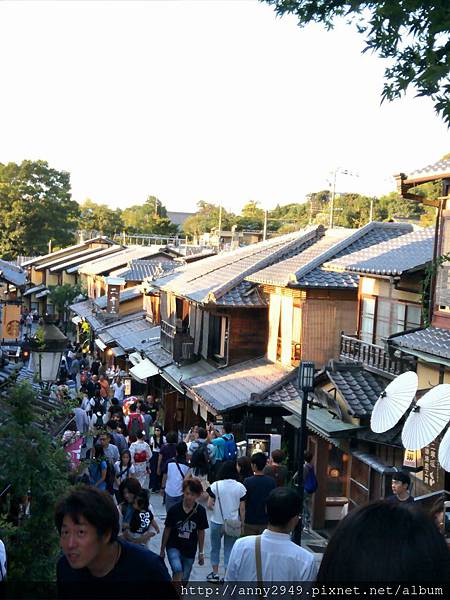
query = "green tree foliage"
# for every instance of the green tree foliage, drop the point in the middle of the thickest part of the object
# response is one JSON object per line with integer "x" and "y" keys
{"x": 412, "y": 34}
{"x": 290, "y": 217}
{"x": 148, "y": 218}
{"x": 63, "y": 295}
{"x": 251, "y": 217}
{"x": 35, "y": 207}
{"x": 207, "y": 218}
{"x": 100, "y": 219}
{"x": 32, "y": 544}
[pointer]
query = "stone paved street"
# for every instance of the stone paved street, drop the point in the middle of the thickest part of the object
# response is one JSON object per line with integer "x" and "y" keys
{"x": 199, "y": 573}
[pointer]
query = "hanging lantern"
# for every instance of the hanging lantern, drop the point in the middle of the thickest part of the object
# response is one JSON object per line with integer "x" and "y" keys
{"x": 412, "y": 460}
{"x": 47, "y": 347}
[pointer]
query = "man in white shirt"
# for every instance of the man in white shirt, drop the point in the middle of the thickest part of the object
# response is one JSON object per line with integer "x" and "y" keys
{"x": 281, "y": 559}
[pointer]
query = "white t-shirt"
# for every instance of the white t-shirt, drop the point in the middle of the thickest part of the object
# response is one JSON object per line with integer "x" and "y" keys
{"x": 119, "y": 391}
{"x": 2, "y": 561}
{"x": 231, "y": 493}
{"x": 174, "y": 482}
{"x": 124, "y": 475}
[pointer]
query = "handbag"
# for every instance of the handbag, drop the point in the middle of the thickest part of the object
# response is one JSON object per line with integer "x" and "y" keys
{"x": 232, "y": 527}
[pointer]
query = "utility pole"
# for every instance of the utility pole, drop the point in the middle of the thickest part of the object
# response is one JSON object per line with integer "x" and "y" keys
{"x": 219, "y": 233}
{"x": 265, "y": 226}
{"x": 371, "y": 211}
{"x": 333, "y": 194}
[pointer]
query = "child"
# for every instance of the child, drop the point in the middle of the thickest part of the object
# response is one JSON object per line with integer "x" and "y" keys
{"x": 141, "y": 521}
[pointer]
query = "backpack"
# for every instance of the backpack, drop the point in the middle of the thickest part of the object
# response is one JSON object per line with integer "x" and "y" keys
{"x": 110, "y": 477}
{"x": 201, "y": 454}
{"x": 230, "y": 450}
{"x": 135, "y": 424}
{"x": 310, "y": 483}
{"x": 140, "y": 457}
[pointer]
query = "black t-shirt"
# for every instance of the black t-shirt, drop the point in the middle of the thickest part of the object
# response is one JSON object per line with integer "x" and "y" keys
{"x": 136, "y": 568}
{"x": 140, "y": 521}
{"x": 394, "y": 499}
{"x": 258, "y": 488}
{"x": 184, "y": 528}
{"x": 95, "y": 367}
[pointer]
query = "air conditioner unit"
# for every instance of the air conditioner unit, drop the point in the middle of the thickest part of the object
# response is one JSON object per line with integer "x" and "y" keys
{"x": 187, "y": 350}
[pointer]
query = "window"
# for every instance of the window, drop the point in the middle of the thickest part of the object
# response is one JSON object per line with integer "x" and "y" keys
{"x": 367, "y": 319}
{"x": 383, "y": 327}
{"x": 218, "y": 338}
{"x": 443, "y": 278}
{"x": 380, "y": 318}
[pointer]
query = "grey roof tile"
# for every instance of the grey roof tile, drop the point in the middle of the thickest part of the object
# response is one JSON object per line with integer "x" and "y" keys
{"x": 244, "y": 294}
{"x": 441, "y": 167}
{"x": 305, "y": 268}
{"x": 432, "y": 340}
{"x": 12, "y": 274}
{"x": 392, "y": 257}
{"x": 125, "y": 296}
{"x": 147, "y": 269}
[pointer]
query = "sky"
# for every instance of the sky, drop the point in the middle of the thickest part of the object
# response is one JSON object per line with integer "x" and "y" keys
{"x": 202, "y": 100}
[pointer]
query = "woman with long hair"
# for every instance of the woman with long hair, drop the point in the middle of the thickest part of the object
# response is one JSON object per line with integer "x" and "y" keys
{"x": 156, "y": 441}
{"x": 97, "y": 468}
{"x": 244, "y": 468}
{"x": 123, "y": 469}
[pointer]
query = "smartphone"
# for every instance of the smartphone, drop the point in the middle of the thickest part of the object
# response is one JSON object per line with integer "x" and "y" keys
{"x": 447, "y": 518}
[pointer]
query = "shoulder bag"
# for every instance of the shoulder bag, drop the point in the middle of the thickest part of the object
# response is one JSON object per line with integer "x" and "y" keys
{"x": 232, "y": 527}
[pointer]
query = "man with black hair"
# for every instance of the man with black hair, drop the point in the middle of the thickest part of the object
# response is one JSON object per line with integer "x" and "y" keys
{"x": 400, "y": 488}
{"x": 118, "y": 439}
{"x": 95, "y": 561}
{"x": 258, "y": 489}
{"x": 272, "y": 556}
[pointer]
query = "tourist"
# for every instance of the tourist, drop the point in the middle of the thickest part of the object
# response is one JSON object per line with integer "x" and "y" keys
{"x": 156, "y": 441}
{"x": 280, "y": 558}
{"x": 258, "y": 488}
{"x": 110, "y": 451}
{"x": 200, "y": 441}
{"x": 184, "y": 531}
{"x": 153, "y": 408}
{"x": 437, "y": 513}
{"x": 309, "y": 487}
{"x": 141, "y": 455}
{"x": 385, "y": 541}
{"x": 75, "y": 370}
{"x": 230, "y": 450}
{"x": 98, "y": 468}
{"x": 128, "y": 490}
{"x": 123, "y": 469}
{"x": 244, "y": 468}
{"x": 118, "y": 439}
{"x": 167, "y": 451}
{"x": 142, "y": 518}
{"x": 93, "y": 555}
{"x": 104, "y": 387}
{"x": 401, "y": 482}
{"x": 227, "y": 502}
{"x": 276, "y": 469}
{"x": 219, "y": 448}
{"x": 81, "y": 417}
{"x": 173, "y": 476}
{"x": 118, "y": 388}
{"x": 147, "y": 421}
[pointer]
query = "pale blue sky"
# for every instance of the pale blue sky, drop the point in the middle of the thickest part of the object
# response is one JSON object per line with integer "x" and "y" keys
{"x": 212, "y": 100}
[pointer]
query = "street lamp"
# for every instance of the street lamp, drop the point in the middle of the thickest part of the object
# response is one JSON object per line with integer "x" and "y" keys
{"x": 47, "y": 347}
{"x": 306, "y": 385}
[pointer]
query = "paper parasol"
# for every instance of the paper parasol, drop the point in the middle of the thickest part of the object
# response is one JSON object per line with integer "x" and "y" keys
{"x": 428, "y": 418}
{"x": 444, "y": 451}
{"x": 394, "y": 402}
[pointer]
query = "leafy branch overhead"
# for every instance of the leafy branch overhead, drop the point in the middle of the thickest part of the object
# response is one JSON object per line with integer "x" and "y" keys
{"x": 412, "y": 34}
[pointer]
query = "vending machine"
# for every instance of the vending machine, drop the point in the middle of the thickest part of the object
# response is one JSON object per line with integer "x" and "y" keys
{"x": 262, "y": 442}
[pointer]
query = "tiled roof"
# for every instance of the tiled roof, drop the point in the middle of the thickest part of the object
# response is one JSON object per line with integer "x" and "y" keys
{"x": 67, "y": 251}
{"x": 147, "y": 269}
{"x": 359, "y": 389}
{"x": 393, "y": 257}
{"x": 35, "y": 289}
{"x": 304, "y": 268}
{"x": 125, "y": 296}
{"x": 129, "y": 334}
{"x": 77, "y": 260}
{"x": 244, "y": 294}
{"x": 212, "y": 278}
{"x": 118, "y": 260}
{"x": 87, "y": 310}
{"x": 160, "y": 357}
{"x": 435, "y": 170}
{"x": 233, "y": 386}
{"x": 432, "y": 340}
{"x": 12, "y": 274}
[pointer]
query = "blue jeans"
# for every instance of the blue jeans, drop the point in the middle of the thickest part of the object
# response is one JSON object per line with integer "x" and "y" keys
{"x": 180, "y": 563}
{"x": 216, "y": 533}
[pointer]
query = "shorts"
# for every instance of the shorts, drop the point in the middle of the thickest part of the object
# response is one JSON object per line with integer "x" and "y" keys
{"x": 180, "y": 563}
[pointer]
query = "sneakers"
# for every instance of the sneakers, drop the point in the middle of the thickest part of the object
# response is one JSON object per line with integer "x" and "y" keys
{"x": 214, "y": 577}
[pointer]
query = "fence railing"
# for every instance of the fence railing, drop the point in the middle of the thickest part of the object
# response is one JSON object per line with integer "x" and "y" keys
{"x": 372, "y": 356}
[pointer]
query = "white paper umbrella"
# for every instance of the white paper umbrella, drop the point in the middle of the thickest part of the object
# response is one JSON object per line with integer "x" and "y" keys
{"x": 444, "y": 451}
{"x": 394, "y": 402}
{"x": 428, "y": 418}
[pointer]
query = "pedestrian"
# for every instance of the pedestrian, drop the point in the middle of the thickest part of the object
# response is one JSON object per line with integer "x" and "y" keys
{"x": 95, "y": 366}
{"x": 258, "y": 488}
{"x": 153, "y": 408}
{"x": 110, "y": 451}
{"x": 272, "y": 556}
{"x": 123, "y": 469}
{"x": 184, "y": 532}
{"x": 118, "y": 439}
{"x": 227, "y": 503}
{"x": 202, "y": 441}
{"x": 167, "y": 451}
{"x": 156, "y": 441}
{"x": 230, "y": 450}
{"x": 310, "y": 487}
{"x": 147, "y": 420}
{"x": 29, "y": 323}
{"x": 386, "y": 541}
{"x": 104, "y": 387}
{"x": 276, "y": 469}
{"x": 134, "y": 420}
{"x": 75, "y": 371}
{"x": 142, "y": 519}
{"x": 118, "y": 389}
{"x": 141, "y": 455}
{"x": 219, "y": 448}
{"x": 81, "y": 417}
{"x": 95, "y": 558}
{"x": 173, "y": 476}
{"x": 244, "y": 468}
{"x": 437, "y": 513}
{"x": 200, "y": 468}
{"x": 401, "y": 482}
{"x": 98, "y": 468}
{"x": 128, "y": 490}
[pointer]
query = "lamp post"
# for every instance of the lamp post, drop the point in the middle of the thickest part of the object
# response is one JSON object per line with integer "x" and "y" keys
{"x": 306, "y": 385}
{"x": 47, "y": 347}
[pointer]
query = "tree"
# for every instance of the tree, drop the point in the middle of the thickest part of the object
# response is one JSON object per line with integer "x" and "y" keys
{"x": 207, "y": 218}
{"x": 63, "y": 295}
{"x": 148, "y": 218}
{"x": 251, "y": 217}
{"x": 35, "y": 207}
{"x": 412, "y": 34}
{"x": 32, "y": 543}
{"x": 100, "y": 219}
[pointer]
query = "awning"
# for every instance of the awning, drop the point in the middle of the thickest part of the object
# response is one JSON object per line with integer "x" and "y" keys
{"x": 293, "y": 420}
{"x": 135, "y": 358}
{"x": 100, "y": 344}
{"x": 118, "y": 351}
{"x": 33, "y": 290}
{"x": 76, "y": 319}
{"x": 143, "y": 370}
{"x": 43, "y": 294}
{"x": 172, "y": 382}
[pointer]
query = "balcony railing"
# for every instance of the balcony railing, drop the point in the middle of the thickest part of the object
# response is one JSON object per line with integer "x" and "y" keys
{"x": 177, "y": 342}
{"x": 374, "y": 357}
